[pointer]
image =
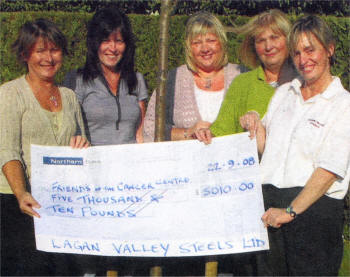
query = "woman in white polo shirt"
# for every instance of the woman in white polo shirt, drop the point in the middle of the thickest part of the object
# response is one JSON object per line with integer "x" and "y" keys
{"x": 305, "y": 142}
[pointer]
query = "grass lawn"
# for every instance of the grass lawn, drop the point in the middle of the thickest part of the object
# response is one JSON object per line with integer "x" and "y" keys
{"x": 345, "y": 267}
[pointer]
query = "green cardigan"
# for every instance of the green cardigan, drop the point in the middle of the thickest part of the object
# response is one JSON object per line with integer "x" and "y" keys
{"x": 248, "y": 92}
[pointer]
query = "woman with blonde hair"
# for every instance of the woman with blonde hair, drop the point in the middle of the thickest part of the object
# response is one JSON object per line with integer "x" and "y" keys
{"x": 264, "y": 49}
{"x": 195, "y": 90}
{"x": 304, "y": 140}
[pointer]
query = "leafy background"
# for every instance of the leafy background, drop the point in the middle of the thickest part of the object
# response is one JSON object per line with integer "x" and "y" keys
{"x": 73, "y": 15}
{"x": 146, "y": 30}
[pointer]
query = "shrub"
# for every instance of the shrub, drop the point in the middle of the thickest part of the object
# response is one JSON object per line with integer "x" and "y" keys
{"x": 146, "y": 31}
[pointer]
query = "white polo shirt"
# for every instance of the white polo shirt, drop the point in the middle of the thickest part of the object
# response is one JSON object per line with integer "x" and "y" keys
{"x": 304, "y": 135}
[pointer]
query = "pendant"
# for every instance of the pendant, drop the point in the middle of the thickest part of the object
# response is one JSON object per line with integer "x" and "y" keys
{"x": 207, "y": 83}
{"x": 54, "y": 101}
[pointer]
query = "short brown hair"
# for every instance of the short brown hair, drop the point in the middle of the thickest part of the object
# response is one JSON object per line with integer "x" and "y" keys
{"x": 311, "y": 24}
{"x": 31, "y": 31}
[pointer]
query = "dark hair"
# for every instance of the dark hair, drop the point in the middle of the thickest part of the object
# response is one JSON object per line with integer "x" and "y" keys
{"x": 31, "y": 31}
{"x": 102, "y": 24}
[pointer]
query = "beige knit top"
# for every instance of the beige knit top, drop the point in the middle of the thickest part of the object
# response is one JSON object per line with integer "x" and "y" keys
{"x": 24, "y": 122}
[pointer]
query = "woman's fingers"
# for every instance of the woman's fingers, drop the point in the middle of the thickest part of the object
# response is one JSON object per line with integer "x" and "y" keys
{"x": 84, "y": 143}
{"x": 79, "y": 142}
{"x": 204, "y": 135}
{"x": 27, "y": 203}
{"x": 250, "y": 122}
{"x": 72, "y": 142}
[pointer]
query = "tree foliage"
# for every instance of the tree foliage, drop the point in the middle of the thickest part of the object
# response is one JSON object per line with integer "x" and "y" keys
{"x": 185, "y": 7}
{"x": 146, "y": 30}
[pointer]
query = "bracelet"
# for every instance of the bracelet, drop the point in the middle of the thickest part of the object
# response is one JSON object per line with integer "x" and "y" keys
{"x": 185, "y": 133}
{"x": 291, "y": 212}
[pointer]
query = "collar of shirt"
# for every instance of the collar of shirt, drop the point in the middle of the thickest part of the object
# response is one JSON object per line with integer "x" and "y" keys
{"x": 331, "y": 91}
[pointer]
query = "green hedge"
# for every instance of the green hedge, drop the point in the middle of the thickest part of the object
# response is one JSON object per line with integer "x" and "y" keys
{"x": 183, "y": 7}
{"x": 146, "y": 32}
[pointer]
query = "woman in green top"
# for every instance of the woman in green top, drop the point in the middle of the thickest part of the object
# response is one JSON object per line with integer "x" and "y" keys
{"x": 264, "y": 48}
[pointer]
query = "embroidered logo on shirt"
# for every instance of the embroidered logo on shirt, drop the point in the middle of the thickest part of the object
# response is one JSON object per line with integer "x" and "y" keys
{"x": 315, "y": 123}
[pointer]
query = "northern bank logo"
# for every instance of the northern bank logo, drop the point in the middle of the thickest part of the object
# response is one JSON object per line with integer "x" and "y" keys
{"x": 63, "y": 160}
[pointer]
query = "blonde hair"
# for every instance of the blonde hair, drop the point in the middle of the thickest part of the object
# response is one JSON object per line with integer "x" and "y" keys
{"x": 311, "y": 24}
{"x": 203, "y": 23}
{"x": 274, "y": 19}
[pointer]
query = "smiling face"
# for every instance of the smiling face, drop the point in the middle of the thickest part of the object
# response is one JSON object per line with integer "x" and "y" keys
{"x": 311, "y": 59}
{"x": 271, "y": 48}
{"x": 206, "y": 51}
{"x": 44, "y": 60}
{"x": 111, "y": 50}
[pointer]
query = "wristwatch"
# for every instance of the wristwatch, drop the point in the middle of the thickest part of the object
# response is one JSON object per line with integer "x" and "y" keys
{"x": 291, "y": 212}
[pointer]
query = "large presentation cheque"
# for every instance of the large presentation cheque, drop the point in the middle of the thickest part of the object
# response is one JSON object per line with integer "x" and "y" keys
{"x": 154, "y": 199}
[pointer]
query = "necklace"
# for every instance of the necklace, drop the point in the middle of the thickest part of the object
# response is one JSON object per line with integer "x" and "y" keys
{"x": 54, "y": 100}
{"x": 207, "y": 83}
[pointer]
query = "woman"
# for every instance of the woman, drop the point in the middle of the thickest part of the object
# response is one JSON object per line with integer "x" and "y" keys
{"x": 306, "y": 127}
{"x": 112, "y": 95}
{"x": 33, "y": 110}
{"x": 195, "y": 90}
{"x": 194, "y": 95}
{"x": 264, "y": 48}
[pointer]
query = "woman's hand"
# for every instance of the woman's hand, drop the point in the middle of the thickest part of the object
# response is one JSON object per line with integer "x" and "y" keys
{"x": 204, "y": 135}
{"x": 139, "y": 135}
{"x": 188, "y": 133}
{"x": 139, "y": 131}
{"x": 79, "y": 142}
{"x": 26, "y": 204}
{"x": 250, "y": 122}
{"x": 198, "y": 126}
{"x": 14, "y": 173}
{"x": 276, "y": 217}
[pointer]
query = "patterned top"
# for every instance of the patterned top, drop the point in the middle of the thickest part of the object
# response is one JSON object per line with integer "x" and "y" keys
{"x": 24, "y": 122}
{"x": 184, "y": 113}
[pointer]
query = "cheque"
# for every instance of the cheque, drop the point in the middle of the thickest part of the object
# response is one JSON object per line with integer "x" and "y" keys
{"x": 153, "y": 199}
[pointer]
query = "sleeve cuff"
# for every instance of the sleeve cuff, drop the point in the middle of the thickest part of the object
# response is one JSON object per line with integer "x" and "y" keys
{"x": 332, "y": 168}
{"x": 7, "y": 155}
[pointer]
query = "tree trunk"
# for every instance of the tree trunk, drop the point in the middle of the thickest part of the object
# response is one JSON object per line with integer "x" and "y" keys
{"x": 166, "y": 8}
